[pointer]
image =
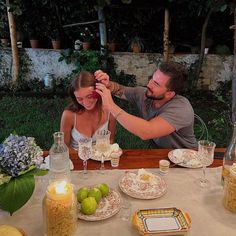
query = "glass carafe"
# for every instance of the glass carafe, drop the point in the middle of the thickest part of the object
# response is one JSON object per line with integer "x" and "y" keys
{"x": 59, "y": 159}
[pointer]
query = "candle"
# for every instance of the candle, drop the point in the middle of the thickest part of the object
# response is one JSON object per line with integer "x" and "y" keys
{"x": 60, "y": 209}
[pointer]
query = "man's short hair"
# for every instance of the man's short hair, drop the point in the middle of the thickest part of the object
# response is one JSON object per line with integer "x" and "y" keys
{"x": 177, "y": 74}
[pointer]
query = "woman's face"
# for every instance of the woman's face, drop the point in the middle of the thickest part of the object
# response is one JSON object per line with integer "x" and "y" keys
{"x": 85, "y": 97}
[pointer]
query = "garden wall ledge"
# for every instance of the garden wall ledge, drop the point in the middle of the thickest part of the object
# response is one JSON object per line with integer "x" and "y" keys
{"x": 42, "y": 61}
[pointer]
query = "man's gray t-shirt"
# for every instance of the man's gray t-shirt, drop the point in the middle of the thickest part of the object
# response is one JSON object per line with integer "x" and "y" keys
{"x": 178, "y": 112}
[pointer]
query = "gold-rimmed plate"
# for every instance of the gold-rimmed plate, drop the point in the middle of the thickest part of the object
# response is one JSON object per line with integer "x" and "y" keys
{"x": 185, "y": 157}
{"x": 131, "y": 185}
{"x": 107, "y": 207}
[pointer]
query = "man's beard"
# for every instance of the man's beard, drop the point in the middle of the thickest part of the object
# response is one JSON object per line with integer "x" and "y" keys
{"x": 151, "y": 96}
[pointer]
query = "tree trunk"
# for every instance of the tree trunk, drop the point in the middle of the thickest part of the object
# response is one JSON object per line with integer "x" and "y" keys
{"x": 203, "y": 43}
{"x": 166, "y": 36}
{"x": 102, "y": 28}
{"x": 15, "y": 52}
{"x": 234, "y": 74}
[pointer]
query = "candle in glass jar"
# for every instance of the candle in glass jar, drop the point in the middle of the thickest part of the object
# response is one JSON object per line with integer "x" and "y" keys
{"x": 60, "y": 209}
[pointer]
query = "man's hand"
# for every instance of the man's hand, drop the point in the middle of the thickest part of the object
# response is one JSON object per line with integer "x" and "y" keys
{"x": 102, "y": 77}
{"x": 105, "y": 95}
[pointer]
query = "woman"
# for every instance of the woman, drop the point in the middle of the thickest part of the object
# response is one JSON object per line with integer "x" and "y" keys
{"x": 85, "y": 115}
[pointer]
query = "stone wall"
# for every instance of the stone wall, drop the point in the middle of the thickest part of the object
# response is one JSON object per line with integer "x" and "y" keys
{"x": 215, "y": 68}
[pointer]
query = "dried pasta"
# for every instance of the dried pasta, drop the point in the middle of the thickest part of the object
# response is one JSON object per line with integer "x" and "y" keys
{"x": 60, "y": 217}
{"x": 230, "y": 194}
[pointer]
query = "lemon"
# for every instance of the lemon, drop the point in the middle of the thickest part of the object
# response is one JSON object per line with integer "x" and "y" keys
{"x": 89, "y": 206}
{"x": 104, "y": 189}
{"x": 7, "y": 230}
{"x": 82, "y": 194}
{"x": 96, "y": 193}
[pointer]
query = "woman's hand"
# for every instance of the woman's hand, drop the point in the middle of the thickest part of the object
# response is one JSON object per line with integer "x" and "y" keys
{"x": 102, "y": 77}
{"x": 105, "y": 95}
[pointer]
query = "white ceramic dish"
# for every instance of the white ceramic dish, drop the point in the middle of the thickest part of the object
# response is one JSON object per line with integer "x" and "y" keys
{"x": 185, "y": 157}
{"x": 107, "y": 207}
{"x": 130, "y": 185}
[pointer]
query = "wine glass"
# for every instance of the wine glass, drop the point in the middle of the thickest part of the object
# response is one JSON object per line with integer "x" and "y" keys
{"x": 206, "y": 156}
{"x": 102, "y": 145}
{"x": 85, "y": 151}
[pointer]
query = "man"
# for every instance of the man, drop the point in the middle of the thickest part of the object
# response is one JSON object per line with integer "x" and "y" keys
{"x": 167, "y": 117}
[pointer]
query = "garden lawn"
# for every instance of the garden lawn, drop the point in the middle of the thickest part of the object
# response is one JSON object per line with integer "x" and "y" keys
{"x": 40, "y": 118}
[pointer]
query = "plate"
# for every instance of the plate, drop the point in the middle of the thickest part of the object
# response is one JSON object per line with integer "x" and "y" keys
{"x": 161, "y": 221}
{"x": 107, "y": 207}
{"x": 45, "y": 164}
{"x": 97, "y": 155}
{"x": 185, "y": 158}
{"x": 130, "y": 185}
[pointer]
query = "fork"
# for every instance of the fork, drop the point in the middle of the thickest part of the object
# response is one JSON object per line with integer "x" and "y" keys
{"x": 178, "y": 163}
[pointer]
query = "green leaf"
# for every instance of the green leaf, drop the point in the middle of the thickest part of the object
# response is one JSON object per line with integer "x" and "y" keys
{"x": 16, "y": 193}
{"x": 37, "y": 172}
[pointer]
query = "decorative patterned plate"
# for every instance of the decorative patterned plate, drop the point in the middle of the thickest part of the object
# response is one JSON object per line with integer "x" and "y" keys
{"x": 97, "y": 155}
{"x": 185, "y": 158}
{"x": 161, "y": 221}
{"x": 130, "y": 185}
{"x": 107, "y": 207}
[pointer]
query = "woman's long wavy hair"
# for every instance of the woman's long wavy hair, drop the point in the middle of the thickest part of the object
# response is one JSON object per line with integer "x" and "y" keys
{"x": 82, "y": 80}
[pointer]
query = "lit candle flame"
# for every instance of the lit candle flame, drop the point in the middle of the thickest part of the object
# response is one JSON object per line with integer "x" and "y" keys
{"x": 61, "y": 187}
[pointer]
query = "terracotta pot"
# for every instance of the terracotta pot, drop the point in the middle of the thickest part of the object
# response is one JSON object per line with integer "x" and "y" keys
{"x": 86, "y": 45}
{"x": 5, "y": 42}
{"x": 34, "y": 43}
{"x": 136, "y": 48}
{"x": 56, "y": 44}
{"x": 111, "y": 47}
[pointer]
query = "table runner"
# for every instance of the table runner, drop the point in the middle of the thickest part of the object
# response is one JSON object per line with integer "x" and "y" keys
{"x": 205, "y": 207}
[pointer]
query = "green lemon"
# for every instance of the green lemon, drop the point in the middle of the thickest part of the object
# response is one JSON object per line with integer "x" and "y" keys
{"x": 104, "y": 189}
{"x": 82, "y": 193}
{"x": 89, "y": 206}
{"x": 96, "y": 193}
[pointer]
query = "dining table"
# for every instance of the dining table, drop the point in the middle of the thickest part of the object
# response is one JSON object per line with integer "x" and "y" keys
{"x": 204, "y": 206}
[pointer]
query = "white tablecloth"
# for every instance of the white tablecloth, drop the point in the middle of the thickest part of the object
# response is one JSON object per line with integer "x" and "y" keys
{"x": 208, "y": 215}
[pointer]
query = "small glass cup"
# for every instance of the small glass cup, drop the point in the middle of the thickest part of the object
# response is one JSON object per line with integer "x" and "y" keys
{"x": 126, "y": 210}
{"x": 164, "y": 166}
{"x": 115, "y": 159}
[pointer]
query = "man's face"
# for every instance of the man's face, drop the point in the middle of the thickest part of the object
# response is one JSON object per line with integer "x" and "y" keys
{"x": 156, "y": 88}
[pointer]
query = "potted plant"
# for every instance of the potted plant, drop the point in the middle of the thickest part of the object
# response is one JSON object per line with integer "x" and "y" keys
{"x": 86, "y": 37}
{"x": 34, "y": 38}
{"x": 56, "y": 38}
{"x": 112, "y": 35}
{"x": 136, "y": 44}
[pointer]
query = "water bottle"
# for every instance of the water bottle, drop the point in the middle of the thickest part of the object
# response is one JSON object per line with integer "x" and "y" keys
{"x": 59, "y": 159}
{"x": 230, "y": 156}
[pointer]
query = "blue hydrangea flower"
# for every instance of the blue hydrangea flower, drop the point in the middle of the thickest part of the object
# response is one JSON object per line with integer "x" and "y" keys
{"x": 19, "y": 153}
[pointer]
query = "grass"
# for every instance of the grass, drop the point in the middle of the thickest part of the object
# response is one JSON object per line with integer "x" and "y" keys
{"x": 40, "y": 118}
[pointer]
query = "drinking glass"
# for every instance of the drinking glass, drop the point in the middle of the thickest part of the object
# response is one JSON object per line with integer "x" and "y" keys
{"x": 206, "y": 156}
{"x": 85, "y": 151}
{"x": 102, "y": 145}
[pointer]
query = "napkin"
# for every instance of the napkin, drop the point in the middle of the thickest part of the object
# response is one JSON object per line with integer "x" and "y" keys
{"x": 45, "y": 164}
{"x": 114, "y": 148}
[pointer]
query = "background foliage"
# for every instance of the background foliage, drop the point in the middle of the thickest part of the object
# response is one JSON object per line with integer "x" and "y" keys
{"x": 46, "y": 19}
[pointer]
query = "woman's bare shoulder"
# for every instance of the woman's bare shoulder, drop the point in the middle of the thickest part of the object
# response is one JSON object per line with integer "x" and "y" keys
{"x": 67, "y": 114}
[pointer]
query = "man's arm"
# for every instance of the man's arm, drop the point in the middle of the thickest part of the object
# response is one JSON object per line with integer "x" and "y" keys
{"x": 115, "y": 88}
{"x": 154, "y": 128}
